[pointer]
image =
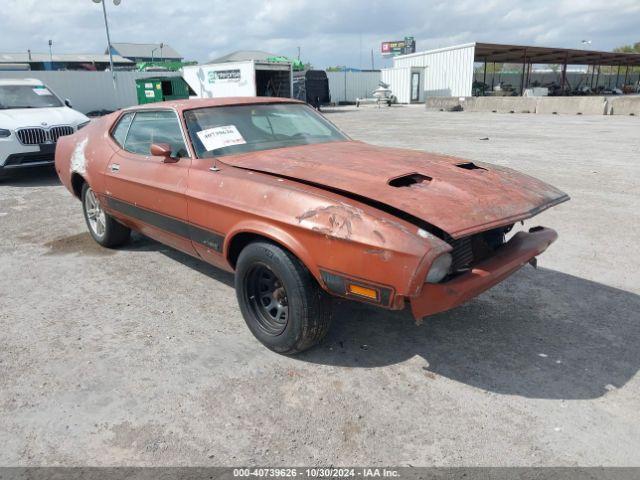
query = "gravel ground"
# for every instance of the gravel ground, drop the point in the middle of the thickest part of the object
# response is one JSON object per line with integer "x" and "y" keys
{"x": 140, "y": 356}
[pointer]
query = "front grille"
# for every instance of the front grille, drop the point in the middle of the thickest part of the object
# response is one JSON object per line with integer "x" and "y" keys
{"x": 37, "y": 135}
{"x": 57, "y": 132}
{"x": 470, "y": 250}
{"x": 462, "y": 253}
{"x": 32, "y": 136}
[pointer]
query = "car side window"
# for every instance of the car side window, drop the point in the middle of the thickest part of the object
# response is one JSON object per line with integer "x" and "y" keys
{"x": 120, "y": 132}
{"x": 155, "y": 127}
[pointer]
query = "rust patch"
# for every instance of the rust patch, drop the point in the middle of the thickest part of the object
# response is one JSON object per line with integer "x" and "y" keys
{"x": 333, "y": 221}
{"x": 81, "y": 243}
{"x": 385, "y": 255}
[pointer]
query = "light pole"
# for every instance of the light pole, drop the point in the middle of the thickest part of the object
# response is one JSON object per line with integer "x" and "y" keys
{"x": 161, "y": 56}
{"x": 50, "y": 54}
{"x": 106, "y": 26}
{"x": 153, "y": 50}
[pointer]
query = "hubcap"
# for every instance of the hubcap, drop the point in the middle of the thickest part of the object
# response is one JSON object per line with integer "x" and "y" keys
{"x": 95, "y": 215}
{"x": 268, "y": 299}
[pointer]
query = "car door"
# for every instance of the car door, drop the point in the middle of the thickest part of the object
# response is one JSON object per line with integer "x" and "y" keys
{"x": 146, "y": 190}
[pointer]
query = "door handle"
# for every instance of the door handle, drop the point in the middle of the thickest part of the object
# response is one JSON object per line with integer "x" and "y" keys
{"x": 114, "y": 167}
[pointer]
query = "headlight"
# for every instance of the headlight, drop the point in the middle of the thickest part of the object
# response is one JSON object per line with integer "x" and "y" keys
{"x": 4, "y": 133}
{"x": 439, "y": 268}
{"x": 84, "y": 124}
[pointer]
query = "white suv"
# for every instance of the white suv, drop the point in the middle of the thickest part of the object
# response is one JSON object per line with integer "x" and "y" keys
{"x": 32, "y": 118}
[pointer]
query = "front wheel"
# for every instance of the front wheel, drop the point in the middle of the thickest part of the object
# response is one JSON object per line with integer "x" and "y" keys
{"x": 103, "y": 227}
{"x": 280, "y": 300}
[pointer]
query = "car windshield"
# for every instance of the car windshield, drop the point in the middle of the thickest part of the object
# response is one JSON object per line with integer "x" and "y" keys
{"x": 218, "y": 131}
{"x": 27, "y": 96}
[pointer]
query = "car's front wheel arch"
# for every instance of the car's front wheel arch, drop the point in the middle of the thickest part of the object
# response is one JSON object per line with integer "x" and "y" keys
{"x": 244, "y": 235}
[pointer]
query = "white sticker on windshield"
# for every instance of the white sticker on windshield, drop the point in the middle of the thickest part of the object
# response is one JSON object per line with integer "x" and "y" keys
{"x": 220, "y": 137}
{"x": 42, "y": 91}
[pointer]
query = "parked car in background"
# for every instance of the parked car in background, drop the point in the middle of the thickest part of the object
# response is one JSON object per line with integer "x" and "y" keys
{"x": 270, "y": 189}
{"x": 32, "y": 119}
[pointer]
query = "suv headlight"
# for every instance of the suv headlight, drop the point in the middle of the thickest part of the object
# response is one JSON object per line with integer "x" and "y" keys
{"x": 83, "y": 124}
{"x": 439, "y": 268}
{"x": 4, "y": 133}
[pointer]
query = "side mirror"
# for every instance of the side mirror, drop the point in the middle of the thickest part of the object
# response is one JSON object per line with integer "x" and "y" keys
{"x": 67, "y": 102}
{"x": 162, "y": 150}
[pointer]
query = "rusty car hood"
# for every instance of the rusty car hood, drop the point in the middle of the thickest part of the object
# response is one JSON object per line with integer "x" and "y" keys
{"x": 460, "y": 200}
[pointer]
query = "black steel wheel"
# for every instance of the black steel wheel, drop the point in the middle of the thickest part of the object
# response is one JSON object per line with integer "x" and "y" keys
{"x": 268, "y": 299}
{"x": 280, "y": 300}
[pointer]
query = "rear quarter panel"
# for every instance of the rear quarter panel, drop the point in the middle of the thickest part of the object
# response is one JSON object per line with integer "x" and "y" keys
{"x": 86, "y": 153}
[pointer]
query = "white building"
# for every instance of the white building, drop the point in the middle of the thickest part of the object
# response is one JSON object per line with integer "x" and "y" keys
{"x": 449, "y": 72}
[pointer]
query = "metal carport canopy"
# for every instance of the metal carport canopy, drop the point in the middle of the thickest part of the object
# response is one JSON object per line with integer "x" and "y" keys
{"x": 493, "y": 52}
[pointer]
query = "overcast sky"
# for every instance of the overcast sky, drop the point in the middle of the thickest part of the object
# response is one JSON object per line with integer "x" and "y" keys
{"x": 329, "y": 32}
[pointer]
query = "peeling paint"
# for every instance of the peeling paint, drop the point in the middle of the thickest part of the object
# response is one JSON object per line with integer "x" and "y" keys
{"x": 78, "y": 158}
{"x": 333, "y": 220}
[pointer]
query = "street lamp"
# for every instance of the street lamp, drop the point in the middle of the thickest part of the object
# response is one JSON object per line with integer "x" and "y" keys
{"x": 51, "y": 54}
{"x": 106, "y": 26}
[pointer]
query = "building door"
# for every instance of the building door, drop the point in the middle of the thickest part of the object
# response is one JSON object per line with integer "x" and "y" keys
{"x": 415, "y": 86}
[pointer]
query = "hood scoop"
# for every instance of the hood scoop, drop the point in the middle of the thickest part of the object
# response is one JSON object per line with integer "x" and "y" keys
{"x": 469, "y": 166}
{"x": 409, "y": 180}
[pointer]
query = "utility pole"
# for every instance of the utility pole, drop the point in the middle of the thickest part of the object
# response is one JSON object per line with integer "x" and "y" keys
{"x": 298, "y": 53}
{"x": 372, "y": 67}
{"x": 106, "y": 26}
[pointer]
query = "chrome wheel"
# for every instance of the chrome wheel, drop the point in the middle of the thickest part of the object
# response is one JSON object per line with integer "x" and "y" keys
{"x": 268, "y": 299}
{"x": 96, "y": 218}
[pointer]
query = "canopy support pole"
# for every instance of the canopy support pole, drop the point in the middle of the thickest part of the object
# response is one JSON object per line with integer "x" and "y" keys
{"x": 524, "y": 63}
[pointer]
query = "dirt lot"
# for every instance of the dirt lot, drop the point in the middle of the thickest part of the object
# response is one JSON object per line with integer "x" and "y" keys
{"x": 140, "y": 356}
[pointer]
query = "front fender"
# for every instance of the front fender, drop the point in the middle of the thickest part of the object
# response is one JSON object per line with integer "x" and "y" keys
{"x": 276, "y": 234}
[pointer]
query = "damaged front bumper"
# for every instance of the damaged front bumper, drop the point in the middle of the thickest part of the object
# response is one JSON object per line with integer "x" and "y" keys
{"x": 519, "y": 250}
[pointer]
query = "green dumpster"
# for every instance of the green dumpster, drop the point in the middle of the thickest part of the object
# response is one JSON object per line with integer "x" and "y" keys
{"x": 159, "y": 89}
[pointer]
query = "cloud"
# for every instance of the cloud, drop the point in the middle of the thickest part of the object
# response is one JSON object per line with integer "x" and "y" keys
{"x": 329, "y": 32}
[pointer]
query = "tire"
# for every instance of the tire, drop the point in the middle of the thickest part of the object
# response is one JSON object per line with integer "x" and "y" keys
{"x": 280, "y": 301}
{"x": 103, "y": 227}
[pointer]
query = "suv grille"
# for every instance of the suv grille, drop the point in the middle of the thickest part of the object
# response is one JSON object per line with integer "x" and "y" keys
{"x": 37, "y": 136}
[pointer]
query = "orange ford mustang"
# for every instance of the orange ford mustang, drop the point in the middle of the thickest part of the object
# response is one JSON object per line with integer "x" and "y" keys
{"x": 269, "y": 189}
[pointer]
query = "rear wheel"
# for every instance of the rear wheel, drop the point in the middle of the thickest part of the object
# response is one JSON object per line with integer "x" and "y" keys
{"x": 280, "y": 300}
{"x": 103, "y": 227}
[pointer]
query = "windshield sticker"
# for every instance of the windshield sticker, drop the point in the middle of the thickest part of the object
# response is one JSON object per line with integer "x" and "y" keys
{"x": 220, "y": 137}
{"x": 42, "y": 91}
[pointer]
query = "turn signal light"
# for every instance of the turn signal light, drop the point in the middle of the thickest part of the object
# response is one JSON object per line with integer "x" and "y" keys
{"x": 369, "y": 293}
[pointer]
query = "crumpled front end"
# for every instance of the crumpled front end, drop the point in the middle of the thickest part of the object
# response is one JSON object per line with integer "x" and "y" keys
{"x": 467, "y": 283}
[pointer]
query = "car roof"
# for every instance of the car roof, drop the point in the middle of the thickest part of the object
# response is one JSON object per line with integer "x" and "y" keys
{"x": 20, "y": 81}
{"x": 193, "y": 103}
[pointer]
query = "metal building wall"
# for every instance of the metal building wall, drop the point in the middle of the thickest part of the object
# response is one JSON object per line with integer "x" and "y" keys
{"x": 347, "y": 86}
{"x": 90, "y": 91}
{"x": 448, "y": 71}
{"x": 399, "y": 81}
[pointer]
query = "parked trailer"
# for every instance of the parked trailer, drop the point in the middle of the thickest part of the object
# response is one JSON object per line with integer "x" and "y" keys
{"x": 250, "y": 78}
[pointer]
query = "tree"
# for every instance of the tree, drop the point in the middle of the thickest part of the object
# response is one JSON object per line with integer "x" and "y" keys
{"x": 635, "y": 48}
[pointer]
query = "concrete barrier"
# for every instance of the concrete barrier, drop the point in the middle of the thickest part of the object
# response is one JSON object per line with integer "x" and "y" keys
{"x": 501, "y": 104}
{"x": 572, "y": 105}
{"x": 447, "y": 104}
{"x": 544, "y": 105}
{"x": 624, "y": 106}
